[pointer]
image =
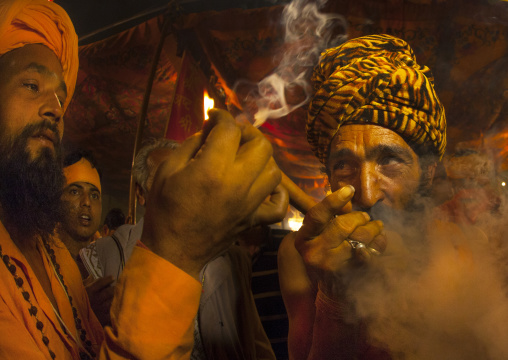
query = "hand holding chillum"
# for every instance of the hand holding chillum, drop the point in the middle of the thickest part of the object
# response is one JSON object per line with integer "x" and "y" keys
{"x": 331, "y": 238}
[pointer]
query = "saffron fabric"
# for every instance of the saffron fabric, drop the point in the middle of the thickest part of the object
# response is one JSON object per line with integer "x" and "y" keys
{"x": 148, "y": 320}
{"x": 153, "y": 311}
{"x": 19, "y": 336}
{"x": 82, "y": 171}
{"x": 375, "y": 80}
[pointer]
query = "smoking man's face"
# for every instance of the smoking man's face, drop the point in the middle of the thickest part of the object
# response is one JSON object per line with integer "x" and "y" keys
{"x": 380, "y": 165}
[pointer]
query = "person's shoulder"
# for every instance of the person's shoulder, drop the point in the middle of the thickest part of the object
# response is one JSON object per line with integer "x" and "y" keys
{"x": 122, "y": 231}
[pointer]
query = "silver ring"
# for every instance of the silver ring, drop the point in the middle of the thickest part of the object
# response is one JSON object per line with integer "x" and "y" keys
{"x": 359, "y": 245}
{"x": 356, "y": 244}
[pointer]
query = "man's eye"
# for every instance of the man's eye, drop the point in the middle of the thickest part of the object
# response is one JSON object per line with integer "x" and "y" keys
{"x": 390, "y": 160}
{"x": 343, "y": 168}
{"x": 95, "y": 196}
{"x": 73, "y": 192}
{"x": 31, "y": 86}
{"x": 340, "y": 165}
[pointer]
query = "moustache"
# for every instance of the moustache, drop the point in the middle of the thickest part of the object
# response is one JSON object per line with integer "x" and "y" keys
{"x": 34, "y": 129}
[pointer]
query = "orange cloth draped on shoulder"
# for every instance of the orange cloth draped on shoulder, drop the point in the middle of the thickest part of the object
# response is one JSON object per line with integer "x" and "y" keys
{"x": 19, "y": 336}
{"x": 24, "y": 22}
{"x": 152, "y": 313}
{"x": 153, "y": 310}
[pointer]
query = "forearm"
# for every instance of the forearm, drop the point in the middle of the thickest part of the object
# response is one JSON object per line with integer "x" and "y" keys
{"x": 334, "y": 332}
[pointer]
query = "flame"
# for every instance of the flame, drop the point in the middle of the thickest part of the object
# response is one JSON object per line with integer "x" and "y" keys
{"x": 208, "y": 104}
{"x": 295, "y": 222}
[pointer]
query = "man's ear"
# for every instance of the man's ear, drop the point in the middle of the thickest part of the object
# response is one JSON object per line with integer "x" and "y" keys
{"x": 428, "y": 173}
{"x": 140, "y": 195}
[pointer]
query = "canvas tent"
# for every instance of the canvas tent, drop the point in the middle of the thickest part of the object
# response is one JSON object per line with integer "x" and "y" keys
{"x": 464, "y": 42}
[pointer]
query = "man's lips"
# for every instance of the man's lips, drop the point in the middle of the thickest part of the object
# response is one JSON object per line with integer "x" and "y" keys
{"x": 85, "y": 219}
{"x": 46, "y": 136}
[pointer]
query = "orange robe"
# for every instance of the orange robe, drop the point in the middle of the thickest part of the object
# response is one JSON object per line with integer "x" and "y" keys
{"x": 152, "y": 314}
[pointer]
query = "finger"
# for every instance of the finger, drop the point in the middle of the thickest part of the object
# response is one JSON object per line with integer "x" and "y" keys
{"x": 379, "y": 243}
{"x": 366, "y": 233}
{"x": 338, "y": 256}
{"x": 317, "y": 254}
{"x": 263, "y": 186}
{"x": 342, "y": 227}
{"x": 182, "y": 155}
{"x": 254, "y": 152}
{"x": 362, "y": 254}
{"x": 298, "y": 198}
{"x": 318, "y": 217}
{"x": 272, "y": 209}
{"x": 221, "y": 142}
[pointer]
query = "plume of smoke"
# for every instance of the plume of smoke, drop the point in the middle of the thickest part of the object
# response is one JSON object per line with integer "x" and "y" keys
{"x": 440, "y": 290}
{"x": 307, "y": 33}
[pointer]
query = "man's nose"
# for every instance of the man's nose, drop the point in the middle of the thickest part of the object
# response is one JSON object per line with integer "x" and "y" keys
{"x": 85, "y": 199}
{"x": 369, "y": 191}
{"x": 51, "y": 109}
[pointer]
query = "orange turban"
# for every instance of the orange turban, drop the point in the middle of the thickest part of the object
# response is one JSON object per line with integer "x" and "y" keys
{"x": 24, "y": 22}
{"x": 82, "y": 171}
{"x": 375, "y": 80}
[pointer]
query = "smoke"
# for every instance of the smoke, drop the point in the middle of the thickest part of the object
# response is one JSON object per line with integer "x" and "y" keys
{"x": 307, "y": 33}
{"x": 440, "y": 289}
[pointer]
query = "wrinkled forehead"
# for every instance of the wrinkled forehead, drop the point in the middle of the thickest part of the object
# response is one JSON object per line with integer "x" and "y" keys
{"x": 33, "y": 57}
{"x": 360, "y": 137}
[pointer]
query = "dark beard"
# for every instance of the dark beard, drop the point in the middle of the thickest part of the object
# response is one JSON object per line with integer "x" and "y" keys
{"x": 30, "y": 190}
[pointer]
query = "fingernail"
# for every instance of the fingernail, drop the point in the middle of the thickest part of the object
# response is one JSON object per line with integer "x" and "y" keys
{"x": 346, "y": 191}
{"x": 366, "y": 216}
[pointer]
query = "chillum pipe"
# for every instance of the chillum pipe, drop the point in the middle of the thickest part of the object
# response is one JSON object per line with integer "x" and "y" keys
{"x": 297, "y": 197}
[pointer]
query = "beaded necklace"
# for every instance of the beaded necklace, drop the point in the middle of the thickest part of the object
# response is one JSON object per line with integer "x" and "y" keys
{"x": 86, "y": 353}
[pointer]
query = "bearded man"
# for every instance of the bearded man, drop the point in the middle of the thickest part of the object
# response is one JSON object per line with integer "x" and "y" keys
{"x": 378, "y": 127}
{"x": 44, "y": 310}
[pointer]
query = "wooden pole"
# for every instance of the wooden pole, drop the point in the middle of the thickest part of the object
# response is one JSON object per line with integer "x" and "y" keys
{"x": 142, "y": 116}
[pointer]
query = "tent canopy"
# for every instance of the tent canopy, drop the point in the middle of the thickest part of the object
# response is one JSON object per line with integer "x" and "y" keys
{"x": 239, "y": 43}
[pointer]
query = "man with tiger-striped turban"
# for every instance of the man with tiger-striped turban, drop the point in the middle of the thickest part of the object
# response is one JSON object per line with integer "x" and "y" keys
{"x": 377, "y": 125}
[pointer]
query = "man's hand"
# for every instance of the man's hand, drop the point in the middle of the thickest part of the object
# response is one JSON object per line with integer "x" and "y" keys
{"x": 273, "y": 209}
{"x": 100, "y": 293}
{"x": 323, "y": 241}
{"x": 215, "y": 183}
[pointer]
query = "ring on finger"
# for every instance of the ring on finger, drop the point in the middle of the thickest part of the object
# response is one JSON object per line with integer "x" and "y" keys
{"x": 356, "y": 244}
{"x": 359, "y": 245}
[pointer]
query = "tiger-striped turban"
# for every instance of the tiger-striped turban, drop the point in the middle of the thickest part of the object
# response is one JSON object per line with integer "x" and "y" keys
{"x": 375, "y": 80}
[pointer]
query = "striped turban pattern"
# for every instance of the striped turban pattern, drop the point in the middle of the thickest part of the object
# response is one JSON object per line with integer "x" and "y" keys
{"x": 375, "y": 80}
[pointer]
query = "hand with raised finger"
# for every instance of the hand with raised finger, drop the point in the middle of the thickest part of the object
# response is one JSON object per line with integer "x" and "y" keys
{"x": 215, "y": 181}
{"x": 324, "y": 238}
{"x": 272, "y": 210}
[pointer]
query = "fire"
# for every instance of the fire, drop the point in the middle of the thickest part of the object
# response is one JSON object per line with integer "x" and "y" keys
{"x": 208, "y": 104}
{"x": 295, "y": 222}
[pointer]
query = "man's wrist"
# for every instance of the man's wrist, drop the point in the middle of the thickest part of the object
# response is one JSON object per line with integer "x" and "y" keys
{"x": 334, "y": 309}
